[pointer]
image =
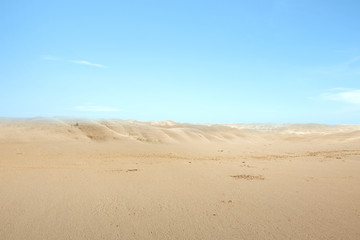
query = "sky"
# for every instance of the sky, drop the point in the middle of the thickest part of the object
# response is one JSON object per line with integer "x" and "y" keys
{"x": 276, "y": 61}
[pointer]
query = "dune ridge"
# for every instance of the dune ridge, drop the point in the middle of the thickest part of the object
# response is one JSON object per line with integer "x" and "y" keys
{"x": 162, "y": 131}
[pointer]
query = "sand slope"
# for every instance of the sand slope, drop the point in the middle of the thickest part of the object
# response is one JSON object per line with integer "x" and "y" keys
{"x": 116, "y": 179}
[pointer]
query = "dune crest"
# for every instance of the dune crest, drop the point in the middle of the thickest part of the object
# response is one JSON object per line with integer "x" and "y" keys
{"x": 19, "y": 130}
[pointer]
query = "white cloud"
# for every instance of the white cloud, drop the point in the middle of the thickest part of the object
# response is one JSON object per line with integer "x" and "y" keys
{"x": 351, "y": 96}
{"x": 83, "y": 62}
{"x": 96, "y": 108}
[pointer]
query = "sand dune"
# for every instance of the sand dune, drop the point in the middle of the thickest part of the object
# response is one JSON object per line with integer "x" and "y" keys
{"x": 117, "y": 179}
{"x": 20, "y": 130}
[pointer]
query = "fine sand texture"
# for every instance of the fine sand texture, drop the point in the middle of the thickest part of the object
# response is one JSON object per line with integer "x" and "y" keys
{"x": 116, "y": 179}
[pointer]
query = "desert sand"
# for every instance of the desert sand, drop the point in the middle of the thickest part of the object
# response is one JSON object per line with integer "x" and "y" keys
{"x": 117, "y": 179}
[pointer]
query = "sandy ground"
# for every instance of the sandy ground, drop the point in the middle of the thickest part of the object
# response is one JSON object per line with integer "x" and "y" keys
{"x": 114, "y": 179}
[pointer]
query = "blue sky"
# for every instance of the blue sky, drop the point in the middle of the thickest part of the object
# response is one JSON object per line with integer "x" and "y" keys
{"x": 193, "y": 61}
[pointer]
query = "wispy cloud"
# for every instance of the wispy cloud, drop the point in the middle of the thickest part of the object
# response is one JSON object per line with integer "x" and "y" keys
{"x": 349, "y": 67}
{"x": 49, "y": 58}
{"x": 351, "y": 96}
{"x": 352, "y": 61}
{"x": 83, "y": 62}
{"x": 96, "y": 108}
